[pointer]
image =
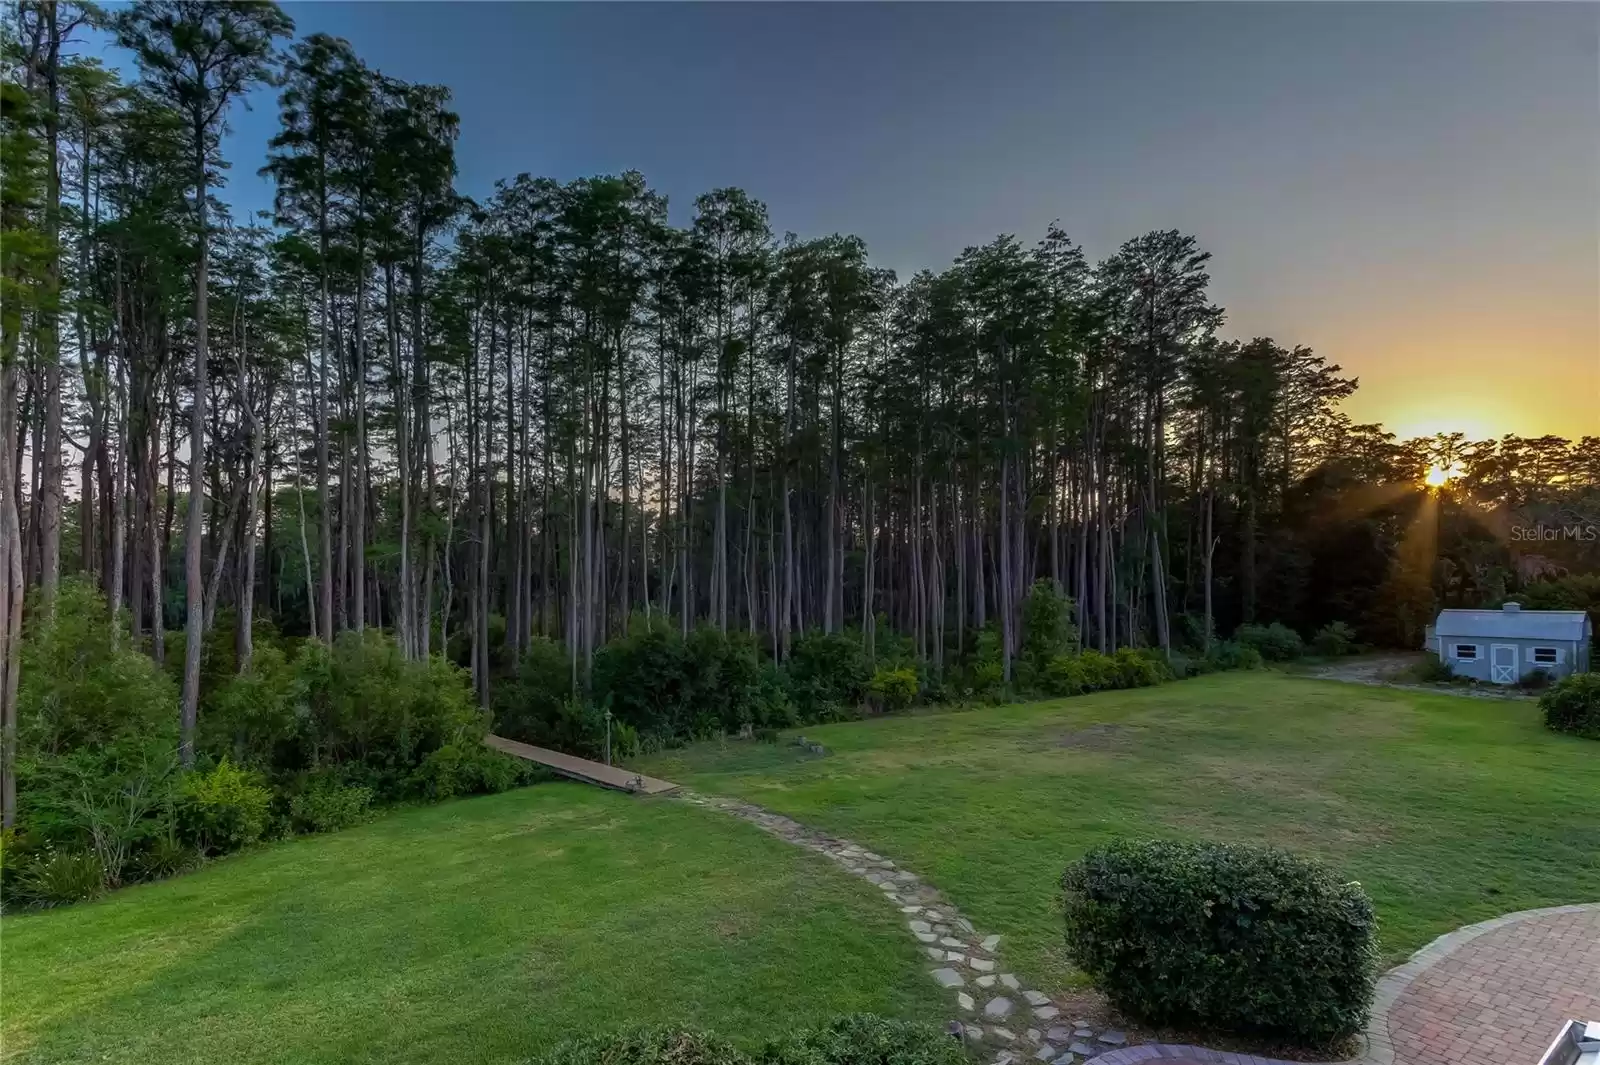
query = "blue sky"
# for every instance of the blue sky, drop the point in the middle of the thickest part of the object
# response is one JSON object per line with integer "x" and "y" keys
{"x": 1411, "y": 189}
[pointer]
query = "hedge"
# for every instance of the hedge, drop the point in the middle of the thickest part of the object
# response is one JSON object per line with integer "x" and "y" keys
{"x": 1225, "y": 937}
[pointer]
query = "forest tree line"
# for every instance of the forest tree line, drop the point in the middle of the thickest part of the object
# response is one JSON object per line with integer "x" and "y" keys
{"x": 478, "y": 423}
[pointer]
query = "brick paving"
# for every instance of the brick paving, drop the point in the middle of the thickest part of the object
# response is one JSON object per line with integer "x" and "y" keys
{"x": 1494, "y": 993}
{"x": 1500, "y": 998}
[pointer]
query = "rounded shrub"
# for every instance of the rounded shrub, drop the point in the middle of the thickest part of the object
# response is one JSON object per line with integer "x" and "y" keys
{"x": 865, "y": 1039}
{"x": 1334, "y": 639}
{"x": 327, "y": 806}
{"x": 1225, "y": 937}
{"x": 894, "y": 689}
{"x": 647, "y": 1046}
{"x": 223, "y": 809}
{"x": 1573, "y": 706}
{"x": 1276, "y": 642}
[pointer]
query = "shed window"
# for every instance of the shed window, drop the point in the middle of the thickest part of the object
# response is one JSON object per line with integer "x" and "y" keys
{"x": 1546, "y": 656}
{"x": 1467, "y": 652}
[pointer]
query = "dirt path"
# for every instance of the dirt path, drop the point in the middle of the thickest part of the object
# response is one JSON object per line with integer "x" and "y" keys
{"x": 1395, "y": 670}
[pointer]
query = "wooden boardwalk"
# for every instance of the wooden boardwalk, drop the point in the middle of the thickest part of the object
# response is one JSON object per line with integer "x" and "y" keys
{"x": 607, "y": 776}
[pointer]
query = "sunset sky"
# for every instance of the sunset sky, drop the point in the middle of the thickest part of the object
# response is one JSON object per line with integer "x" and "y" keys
{"x": 1411, "y": 190}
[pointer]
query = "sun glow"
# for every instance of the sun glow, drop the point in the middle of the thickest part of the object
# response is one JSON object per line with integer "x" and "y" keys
{"x": 1439, "y": 476}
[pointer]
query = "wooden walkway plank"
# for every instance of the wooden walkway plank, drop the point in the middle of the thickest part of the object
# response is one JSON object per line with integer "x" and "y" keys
{"x": 607, "y": 776}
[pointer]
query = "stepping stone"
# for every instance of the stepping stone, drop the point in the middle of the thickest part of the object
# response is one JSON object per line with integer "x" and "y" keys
{"x": 1083, "y": 1048}
{"x": 955, "y": 956}
{"x": 998, "y": 1007}
{"x": 964, "y": 1000}
{"x": 935, "y": 953}
{"x": 1047, "y": 1013}
{"x": 990, "y": 943}
{"x": 1059, "y": 1034}
{"x": 1045, "y": 1053}
{"x": 934, "y": 915}
{"x": 942, "y": 929}
{"x": 1036, "y": 998}
{"x": 1081, "y": 1024}
{"x": 1066, "y": 1059}
{"x": 950, "y": 942}
{"x": 973, "y": 1033}
{"x": 926, "y": 937}
{"x": 1005, "y": 1035}
{"x": 1114, "y": 1039}
{"x": 985, "y": 981}
{"x": 982, "y": 965}
{"x": 1031, "y": 1035}
{"x": 948, "y": 978}
{"x": 911, "y": 909}
{"x": 919, "y": 926}
{"x": 966, "y": 926}
{"x": 1010, "y": 981}
{"x": 1084, "y": 1032}
{"x": 1005, "y": 1057}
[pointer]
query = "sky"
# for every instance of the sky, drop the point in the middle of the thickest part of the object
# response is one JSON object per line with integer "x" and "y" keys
{"x": 1412, "y": 190}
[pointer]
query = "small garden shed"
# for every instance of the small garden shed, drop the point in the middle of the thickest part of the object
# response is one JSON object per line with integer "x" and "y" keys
{"x": 1503, "y": 646}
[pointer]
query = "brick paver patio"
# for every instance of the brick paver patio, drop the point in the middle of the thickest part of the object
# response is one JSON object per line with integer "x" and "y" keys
{"x": 1499, "y": 998}
{"x": 1494, "y": 993}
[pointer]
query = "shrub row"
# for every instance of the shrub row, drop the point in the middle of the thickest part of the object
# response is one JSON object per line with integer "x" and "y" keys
{"x": 857, "y": 1039}
{"x": 1228, "y": 937}
{"x": 306, "y": 738}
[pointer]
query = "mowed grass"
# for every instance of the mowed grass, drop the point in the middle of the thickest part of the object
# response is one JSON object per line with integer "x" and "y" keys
{"x": 480, "y": 930}
{"x": 1448, "y": 810}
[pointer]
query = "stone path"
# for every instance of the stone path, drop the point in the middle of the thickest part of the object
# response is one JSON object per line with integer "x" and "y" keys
{"x": 1488, "y": 994}
{"x": 994, "y": 1009}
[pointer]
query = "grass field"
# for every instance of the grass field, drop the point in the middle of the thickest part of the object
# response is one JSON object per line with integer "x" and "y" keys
{"x": 1449, "y": 810}
{"x": 476, "y": 931}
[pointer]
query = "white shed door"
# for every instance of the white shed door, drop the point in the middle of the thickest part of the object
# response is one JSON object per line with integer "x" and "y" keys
{"x": 1503, "y": 663}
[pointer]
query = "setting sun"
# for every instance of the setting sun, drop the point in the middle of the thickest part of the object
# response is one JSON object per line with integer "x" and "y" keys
{"x": 1438, "y": 476}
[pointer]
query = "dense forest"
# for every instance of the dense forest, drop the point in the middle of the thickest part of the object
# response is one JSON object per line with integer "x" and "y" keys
{"x": 551, "y": 413}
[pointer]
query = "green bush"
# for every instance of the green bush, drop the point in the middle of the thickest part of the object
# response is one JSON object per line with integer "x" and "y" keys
{"x": 1065, "y": 675}
{"x": 59, "y": 878}
{"x": 1228, "y": 654}
{"x": 1276, "y": 642}
{"x": 864, "y": 1039}
{"x": 1573, "y": 706}
{"x": 164, "y": 856}
{"x": 378, "y": 715}
{"x": 533, "y": 706}
{"x": 894, "y": 689}
{"x": 1535, "y": 680}
{"x": 1139, "y": 669}
{"x": 1223, "y": 936}
{"x": 109, "y": 799}
{"x": 828, "y": 676}
{"x": 256, "y": 715}
{"x": 457, "y": 769}
{"x": 646, "y": 1046}
{"x": 1334, "y": 639}
{"x": 1099, "y": 670}
{"x": 1435, "y": 670}
{"x": 1047, "y": 629}
{"x": 84, "y": 684}
{"x": 327, "y": 806}
{"x": 223, "y": 809}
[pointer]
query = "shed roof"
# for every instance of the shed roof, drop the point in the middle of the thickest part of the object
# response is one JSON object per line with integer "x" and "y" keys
{"x": 1514, "y": 624}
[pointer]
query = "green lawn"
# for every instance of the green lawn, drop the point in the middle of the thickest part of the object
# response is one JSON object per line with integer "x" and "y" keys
{"x": 1449, "y": 810}
{"x": 475, "y": 931}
